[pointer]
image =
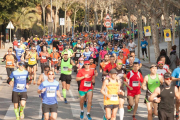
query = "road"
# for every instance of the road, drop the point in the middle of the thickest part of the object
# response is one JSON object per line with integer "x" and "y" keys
{"x": 70, "y": 111}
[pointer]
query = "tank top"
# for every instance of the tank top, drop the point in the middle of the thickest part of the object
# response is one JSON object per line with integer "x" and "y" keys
{"x": 112, "y": 89}
{"x": 167, "y": 99}
{"x": 9, "y": 61}
{"x": 32, "y": 60}
{"x": 153, "y": 83}
{"x": 65, "y": 66}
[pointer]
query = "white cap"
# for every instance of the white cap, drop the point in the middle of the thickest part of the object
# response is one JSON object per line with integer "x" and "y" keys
{"x": 19, "y": 43}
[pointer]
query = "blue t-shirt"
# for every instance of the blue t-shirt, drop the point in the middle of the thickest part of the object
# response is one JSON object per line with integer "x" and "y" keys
{"x": 49, "y": 42}
{"x": 116, "y": 36}
{"x": 25, "y": 43}
{"x": 115, "y": 52}
{"x": 105, "y": 33}
{"x": 20, "y": 78}
{"x": 19, "y": 52}
{"x": 98, "y": 49}
{"x": 144, "y": 44}
{"x": 176, "y": 74}
{"x": 50, "y": 95}
{"x": 110, "y": 52}
{"x": 38, "y": 48}
{"x": 87, "y": 55}
{"x": 101, "y": 44}
{"x": 135, "y": 60}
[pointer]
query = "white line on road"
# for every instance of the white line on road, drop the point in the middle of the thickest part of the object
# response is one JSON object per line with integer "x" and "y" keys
{"x": 10, "y": 113}
{"x": 40, "y": 111}
{"x": 71, "y": 95}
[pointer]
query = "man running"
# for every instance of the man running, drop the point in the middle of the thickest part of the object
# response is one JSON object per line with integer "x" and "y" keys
{"x": 19, "y": 51}
{"x": 143, "y": 46}
{"x": 161, "y": 71}
{"x": 50, "y": 88}
{"x": 44, "y": 55}
{"x": 109, "y": 66}
{"x": 111, "y": 99}
{"x": 164, "y": 96}
{"x": 103, "y": 53}
{"x": 66, "y": 71}
{"x": 20, "y": 85}
{"x": 103, "y": 64}
{"x": 134, "y": 78}
{"x": 55, "y": 58}
{"x": 150, "y": 83}
{"x": 87, "y": 77}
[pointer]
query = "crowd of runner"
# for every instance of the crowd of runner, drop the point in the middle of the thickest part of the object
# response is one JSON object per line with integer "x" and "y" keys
{"x": 112, "y": 52}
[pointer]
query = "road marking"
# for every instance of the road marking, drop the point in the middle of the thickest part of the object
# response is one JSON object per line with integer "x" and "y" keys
{"x": 10, "y": 113}
{"x": 40, "y": 111}
{"x": 71, "y": 95}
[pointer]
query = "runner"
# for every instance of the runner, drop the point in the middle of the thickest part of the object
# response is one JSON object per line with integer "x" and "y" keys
{"x": 143, "y": 46}
{"x": 19, "y": 80}
{"x": 109, "y": 66}
{"x": 115, "y": 52}
{"x": 131, "y": 45}
{"x": 103, "y": 53}
{"x": 87, "y": 54}
{"x": 32, "y": 56}
{"x": 121, "y": 77}
{"x": 150, "y": 83}
{"x": 103, "y": 64}
{"x": 165, "y": 66}
{"x": 44, "y": 55}
{"x": 66, "y": 71}
{"x": 161, "y": 71}
{"x": 165, "y": 100}
{"x": 50, "y": 88}
{"x": 10, "y": 62}
{"x": 122, "y": 57}
{"x": 125, "y": 50}
{"x": 55, "y": 58}
{"x": 19, "y": 51}
{"x": 111, "y": 99}
{"x": 133, "y": 80}
{"x": 87, "y": 77}
{"x": 23, "y": 58}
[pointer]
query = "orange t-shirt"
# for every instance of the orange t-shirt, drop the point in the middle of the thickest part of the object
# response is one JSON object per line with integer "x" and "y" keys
{"x": 93, "y": 66}
{"x": 9, "y": 61}
{"x": 126, "y": 51}
{"x": 54, "y": 58}
{"x": 102, "y": 64}
{"x": 123, "y": 60}
{"x": 44, "y": 57}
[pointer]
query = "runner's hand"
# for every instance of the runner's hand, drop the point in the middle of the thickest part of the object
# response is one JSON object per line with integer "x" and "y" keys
{"x": 43, "y": 90}
{"x": 27, "y": 86}
{"x": 109, "y": 96}
{"x": 61, "y": 98}
{"x": 86, "y": 76}
{"x": 130, "y": 88}
{"x": 11, "y": 83}
{"x": 69, "y": 69}
{"x": 158, "y": 100}
{"x": 121, "y": 92}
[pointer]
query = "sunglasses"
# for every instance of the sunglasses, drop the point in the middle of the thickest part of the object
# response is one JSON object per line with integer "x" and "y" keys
{"x": 50, "y": 74}
{"x": 86, "y": 64}
{"x": 120, "y": 63}
{"x": 161, "y": 64}
{"x": 167, "y": 79}
{"x": 20, "y": 64}
{"x": 46, "y": 70}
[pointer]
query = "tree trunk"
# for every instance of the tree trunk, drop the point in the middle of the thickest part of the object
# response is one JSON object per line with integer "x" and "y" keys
{"x": 74, "y": 20}
{"x": 129, "y": 20}
{"x": 95, "y": 20}
{"x": 55, "y": 25}
{"x": 44, "y": 18}
{"x": 102, "y": 19}
{"x": 65, "y": 22}
{"x": 155, "y": 36}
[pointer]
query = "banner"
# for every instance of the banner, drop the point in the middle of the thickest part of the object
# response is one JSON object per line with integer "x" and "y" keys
{"x": 147, "y": 30}
{"x": 167, "y": 35}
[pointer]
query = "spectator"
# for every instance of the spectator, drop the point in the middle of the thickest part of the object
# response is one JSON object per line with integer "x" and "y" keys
{"x": 163, "y": 53}
{"x": 173, "y": 58}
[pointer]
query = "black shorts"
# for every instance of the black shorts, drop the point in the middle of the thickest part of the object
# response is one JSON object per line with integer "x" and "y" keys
{"x": 144, "y": 50}
{"x": 96, "y": 60}
{"x": 31, "y": 66}
{"x": 18, "y": 96}
{"x": 163, "y": 115}
{"x": 49, "y": 108}
{"x": 121, "y": 96}
{"x": 66, "y": 78}
{"x": 111, "y": 106}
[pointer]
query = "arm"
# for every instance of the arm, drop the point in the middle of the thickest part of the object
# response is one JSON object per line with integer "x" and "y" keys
{"x": 80, "y": 78}
{"x": 127, "y": 85}
{"x": 161, "y": 79}
{"x": 72, "y": 63}
{"x": 39, "y": 80}
{"x": 59, "y": 95}
{"x": 153, "y": 96}
{"x": 175, "y": 79}
{"x": 103, "y": 89}
{"x": 177, "y": 93}
{"x": 144, "y": 83}
{"x": 93, "y": 79}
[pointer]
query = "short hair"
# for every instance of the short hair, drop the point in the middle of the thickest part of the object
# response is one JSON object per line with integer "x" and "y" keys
{"x": 106, "y": 55}
{"x": 135, "y": 63}
{"x": 132, "y": 52}
{"x": 162, "y": 57}
{"x": 47, "y": 66}
{"x": 112, "y": 56}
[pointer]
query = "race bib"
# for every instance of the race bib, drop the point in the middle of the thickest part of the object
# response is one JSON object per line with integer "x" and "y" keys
{"x": 135, "y": 83}
{"x": 65, "y": 68}
{"x": 115, "y": 37}
{"x": 32, "y": 59}
{"x": 54, "y": 59}
{"x": 19, "y": 54}
{"x": 20, "y": 86}
{"x": 87, "y": 84}
{"x": 26, "y": 60}
{"x": 43, "y": 57}
{"x": 51, "y": 93}
{"x": 9, "y": 62}
{"x": 78, "y": 55}
{"x": 144, "y": 45}
{"x": 114, "y": 98}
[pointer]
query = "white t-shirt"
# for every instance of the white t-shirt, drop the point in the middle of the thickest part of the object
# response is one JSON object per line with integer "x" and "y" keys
{"x": 131, "y": 46}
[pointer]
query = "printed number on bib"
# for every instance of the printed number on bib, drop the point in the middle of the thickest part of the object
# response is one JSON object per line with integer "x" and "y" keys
{"x": 19, "y": 54}
{"x": 114, "y": 98}
{"x": 26, "y": 60}
{"x": 78, "y": 55}
{"x": 43, "y": 57}
{"x": 135, "y": 83}
{"x": 32, "y": 59}
{"x": 65, "y": 68}
{"x": 144, "y": 45}
{"x": 54, "y": 59}
{"x": 51, "y": 93}
{"x": 87, "y": 83}
{"x": 20, "y": 86}
{"x": 9, "y": 63}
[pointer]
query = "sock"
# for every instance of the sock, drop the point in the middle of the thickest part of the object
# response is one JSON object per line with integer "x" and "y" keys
{"x": 22, "y": 108}
{"x": 88, "y": 113}
{"x": 64, "y": 93}
{"x": 121, "y": 113}
{"x": 16, "y": 111}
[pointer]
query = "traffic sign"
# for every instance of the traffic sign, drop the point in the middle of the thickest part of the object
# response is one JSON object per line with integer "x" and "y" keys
{"x": 107, "y": 17}
{"x": 10, "y": 25}
{"x": 62, "y": 21}
{"x": 107, "y": 24}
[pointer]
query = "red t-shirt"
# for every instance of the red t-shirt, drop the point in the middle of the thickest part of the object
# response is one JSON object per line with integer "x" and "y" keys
{"x": 134, "y": 80}
{"x": 86, "y": 83}
{"x": 44, "y": 57}
{"x": 15, "y": 43}
{"x": 108, "y": 67}
{"x": 60, "y": 48}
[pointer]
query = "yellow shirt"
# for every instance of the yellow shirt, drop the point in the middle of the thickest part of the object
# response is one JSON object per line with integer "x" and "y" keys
{"x": 32, "y": 60}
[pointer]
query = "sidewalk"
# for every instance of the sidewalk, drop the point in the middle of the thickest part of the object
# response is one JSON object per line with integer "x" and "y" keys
{"x": 162, "y": 45}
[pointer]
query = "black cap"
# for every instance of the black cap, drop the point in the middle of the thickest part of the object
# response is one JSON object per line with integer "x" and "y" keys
{"x": 167, "y": 75}
{"x": 21, "y": 63}
{"x": 113, "y": 71}
{"x": 90, "y": 58}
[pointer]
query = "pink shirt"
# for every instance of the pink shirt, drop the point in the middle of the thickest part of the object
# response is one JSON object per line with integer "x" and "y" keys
{"x": 102, "y": 53}
{"x": 93, "y": 50}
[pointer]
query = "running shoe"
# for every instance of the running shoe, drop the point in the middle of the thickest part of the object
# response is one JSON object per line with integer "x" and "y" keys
{"x": 177, "y": 116}
{"x": 143, "y": 59}
{"x": 82, "y": 115}
{"x": 88, "y": 117}
{"x": 134, "y": 117}
{"x": 147, "y": 56}
{"x": 104, "y": 118}
{"x": 22, "y": 115}
{"x": 85, "y": 104}
{"x": 42, "y": 117}
{"x": 65, "y": 101}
